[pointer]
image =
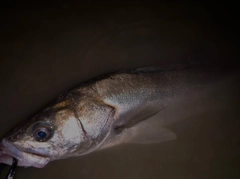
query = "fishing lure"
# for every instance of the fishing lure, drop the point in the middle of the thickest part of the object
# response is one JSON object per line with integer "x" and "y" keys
{"x": 12, "y": 170}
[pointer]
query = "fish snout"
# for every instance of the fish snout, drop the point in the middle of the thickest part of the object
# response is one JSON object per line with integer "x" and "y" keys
{"x": 9, "y": 149}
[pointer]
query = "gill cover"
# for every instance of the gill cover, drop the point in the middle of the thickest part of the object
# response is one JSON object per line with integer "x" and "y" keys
{"x": 95, "y": 118}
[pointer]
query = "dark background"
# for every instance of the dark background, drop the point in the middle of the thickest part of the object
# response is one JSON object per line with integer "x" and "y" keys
{"x": 47, "y": 48}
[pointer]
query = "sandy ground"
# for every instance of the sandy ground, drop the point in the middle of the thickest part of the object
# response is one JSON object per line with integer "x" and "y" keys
{"x": 46, "y": 51}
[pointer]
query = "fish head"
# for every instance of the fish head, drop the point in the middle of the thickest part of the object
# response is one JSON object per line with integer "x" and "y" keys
{"x": 56, "y": 133}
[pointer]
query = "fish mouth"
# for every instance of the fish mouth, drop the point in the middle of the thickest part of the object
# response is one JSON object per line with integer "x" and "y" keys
{"x": 26, "y": 159}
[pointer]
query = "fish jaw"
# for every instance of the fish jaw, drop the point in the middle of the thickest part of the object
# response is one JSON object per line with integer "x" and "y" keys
{"x": 8, "y": 150}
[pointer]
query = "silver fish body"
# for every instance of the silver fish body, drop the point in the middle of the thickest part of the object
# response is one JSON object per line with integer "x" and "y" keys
{"x": 101, "y": 113}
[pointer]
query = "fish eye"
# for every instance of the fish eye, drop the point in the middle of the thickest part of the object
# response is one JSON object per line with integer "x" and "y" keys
{"x": 42, "y": 132}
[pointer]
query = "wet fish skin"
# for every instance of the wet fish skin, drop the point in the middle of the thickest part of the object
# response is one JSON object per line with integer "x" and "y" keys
{"x": 101, "y": 113}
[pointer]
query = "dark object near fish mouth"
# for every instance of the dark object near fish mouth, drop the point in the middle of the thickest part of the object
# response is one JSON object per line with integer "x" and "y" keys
{"x": 2, "y": 166}
{"x": 12, "y": 169}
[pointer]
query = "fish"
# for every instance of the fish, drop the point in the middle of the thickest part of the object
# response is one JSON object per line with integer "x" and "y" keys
{"x": 107, "y": 111}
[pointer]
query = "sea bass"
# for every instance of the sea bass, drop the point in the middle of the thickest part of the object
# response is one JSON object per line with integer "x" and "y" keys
{"x": 104, "y": 112}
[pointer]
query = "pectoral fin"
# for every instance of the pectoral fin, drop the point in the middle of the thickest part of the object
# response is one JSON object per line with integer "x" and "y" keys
{"x": 147, "y": 132}
{"x": 149, "y": 137}
{"x": 140, "y": 115}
